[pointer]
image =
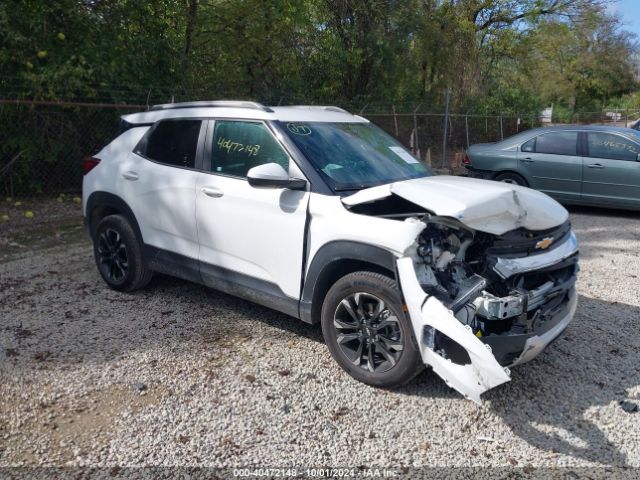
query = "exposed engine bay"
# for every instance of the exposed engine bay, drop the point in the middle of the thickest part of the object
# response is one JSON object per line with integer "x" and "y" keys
{"x": 456, "y": 265}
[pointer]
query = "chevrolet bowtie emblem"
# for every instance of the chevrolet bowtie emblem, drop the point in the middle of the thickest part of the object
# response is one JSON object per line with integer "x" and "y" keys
{"x": 544, "y": 243}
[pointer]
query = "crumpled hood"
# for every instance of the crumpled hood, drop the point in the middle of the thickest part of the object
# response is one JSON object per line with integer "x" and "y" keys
{"x": 483, "y": 205}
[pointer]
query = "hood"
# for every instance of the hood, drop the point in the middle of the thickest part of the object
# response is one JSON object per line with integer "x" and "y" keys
{"x": 482, "y": 205}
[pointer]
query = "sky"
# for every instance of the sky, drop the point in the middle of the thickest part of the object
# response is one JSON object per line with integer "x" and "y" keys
{"x": 629, "y": 11}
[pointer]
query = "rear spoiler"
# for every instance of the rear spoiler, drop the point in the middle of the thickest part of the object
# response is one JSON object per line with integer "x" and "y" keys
{"x": 123, "y": 126}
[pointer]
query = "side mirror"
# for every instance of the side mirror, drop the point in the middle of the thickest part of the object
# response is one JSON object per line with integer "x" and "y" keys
{"x": 638, "y": 158}
{"x": 272, "y": 175}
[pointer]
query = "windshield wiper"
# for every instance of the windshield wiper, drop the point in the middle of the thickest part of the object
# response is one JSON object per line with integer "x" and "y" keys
{"x": 356, "y": 188}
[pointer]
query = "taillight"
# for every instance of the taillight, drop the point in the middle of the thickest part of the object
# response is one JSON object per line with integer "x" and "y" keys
{"x": 89, "y": 163}
{"x": 466, "y": 160}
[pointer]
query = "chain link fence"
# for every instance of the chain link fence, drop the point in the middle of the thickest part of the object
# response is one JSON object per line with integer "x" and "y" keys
{"x": 440, "y": 139}
{"x": 42, "y": 143}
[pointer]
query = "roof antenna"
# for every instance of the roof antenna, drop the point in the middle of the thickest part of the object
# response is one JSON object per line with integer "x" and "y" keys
{"x": 148, "y": 95}
{"x": 173, "y": 99}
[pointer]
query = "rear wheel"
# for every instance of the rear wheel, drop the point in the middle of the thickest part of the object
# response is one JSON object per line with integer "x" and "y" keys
{"x": 367, "y": 331}
{"x": 512, "y": 178}
{"x": 118, "y": 255}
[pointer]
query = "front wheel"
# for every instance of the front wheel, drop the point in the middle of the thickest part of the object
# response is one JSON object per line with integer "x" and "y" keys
{"x": 118, "y": 255}
{"x": 367, "y": 331}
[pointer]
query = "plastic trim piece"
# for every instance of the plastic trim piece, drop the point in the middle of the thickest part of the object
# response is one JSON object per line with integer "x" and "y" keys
{"x": 507, "y": 267}
{"x": 100, "y": 199}
{"x": 535, "y": 345}
{"x": 330, "y": 255}
{"x": 215, "y": 103}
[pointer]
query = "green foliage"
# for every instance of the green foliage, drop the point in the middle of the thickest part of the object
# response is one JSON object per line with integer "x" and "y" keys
{"x": 493, "y": 55}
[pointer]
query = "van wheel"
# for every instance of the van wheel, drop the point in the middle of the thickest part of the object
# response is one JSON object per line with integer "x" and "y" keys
{"x": 118, "y": 255}
{"x": 512, "y": 178}
{"x": 367, "y": 331}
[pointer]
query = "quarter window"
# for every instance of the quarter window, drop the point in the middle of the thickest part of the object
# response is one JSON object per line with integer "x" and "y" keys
{"x": 556, "y": 143}
{"x": 529, "y": 146}
{"x": 615, "y": 147}
{"x": 172, "y": 142}
{"x": 239, "y": 146}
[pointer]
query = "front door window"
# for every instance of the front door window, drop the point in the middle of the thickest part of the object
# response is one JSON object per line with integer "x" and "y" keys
{"x": 614, "y": 147}
{"x": 239, "y": 146}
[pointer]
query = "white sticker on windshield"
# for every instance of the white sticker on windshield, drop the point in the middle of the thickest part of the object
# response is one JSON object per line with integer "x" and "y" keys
{"x": 403, "y": 154}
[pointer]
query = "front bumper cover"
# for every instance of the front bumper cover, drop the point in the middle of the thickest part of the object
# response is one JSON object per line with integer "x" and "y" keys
{"x": 536, "y": 344}
{"x": 514, "y": 349}
{"x": 483, "y": 373}
{"x": 484, "y": 370}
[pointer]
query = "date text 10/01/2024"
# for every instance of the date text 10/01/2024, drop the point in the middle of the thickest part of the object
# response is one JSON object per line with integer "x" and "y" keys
{"x": 315, "y": 472}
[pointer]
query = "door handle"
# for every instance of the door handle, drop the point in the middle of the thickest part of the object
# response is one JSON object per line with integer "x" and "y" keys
{"x": 212, "y": 192}
{"x": 528, "y": 160}
{"x": 130, "y": 175}
{"x": 595, "y": 165}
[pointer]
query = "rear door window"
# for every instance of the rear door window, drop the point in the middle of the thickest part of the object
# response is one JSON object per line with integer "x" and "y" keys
{"x": 556, "y": 143}
{"x": 172, "y": 142}
{"x": 238, "y": 146}
{"x": 615, "y": 147}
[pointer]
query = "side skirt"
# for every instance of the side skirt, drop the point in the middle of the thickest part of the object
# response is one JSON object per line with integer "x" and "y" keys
{"x": 233, "y": 283}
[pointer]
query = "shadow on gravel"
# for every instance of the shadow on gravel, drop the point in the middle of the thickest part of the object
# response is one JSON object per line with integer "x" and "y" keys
{"x": 549, "y": 400}
{"x": 233, "y": 306}
{"x": 597, "y": 227}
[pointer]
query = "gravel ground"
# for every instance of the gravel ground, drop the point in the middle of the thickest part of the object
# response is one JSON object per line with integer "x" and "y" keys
{"x": 178, "y": 375}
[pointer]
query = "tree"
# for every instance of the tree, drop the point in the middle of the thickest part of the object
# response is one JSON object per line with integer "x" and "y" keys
{"x": 496, "y": 54}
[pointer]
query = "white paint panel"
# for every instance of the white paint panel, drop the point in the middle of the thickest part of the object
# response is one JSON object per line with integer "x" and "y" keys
{"x": 331, "y": 221}
{"x": 163, "y": 201}
{"x": 483, "y": 205}
{"x": 254, "y": 231}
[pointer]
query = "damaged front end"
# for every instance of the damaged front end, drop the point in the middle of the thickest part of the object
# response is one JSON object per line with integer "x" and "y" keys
{"x": 480, "y": 303}
{"x": 489, "y": 280}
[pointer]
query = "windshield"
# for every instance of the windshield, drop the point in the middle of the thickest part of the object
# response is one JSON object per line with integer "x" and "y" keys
{"x": 351, "y": 156}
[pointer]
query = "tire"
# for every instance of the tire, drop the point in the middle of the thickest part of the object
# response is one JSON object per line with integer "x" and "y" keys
{"x": 118, "y": 255}
{"x": 395, "y": 336}
{"x": 512, "y": 178}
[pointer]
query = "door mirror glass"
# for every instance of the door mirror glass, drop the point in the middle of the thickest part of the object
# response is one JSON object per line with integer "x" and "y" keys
{"x": 272, "y": 175}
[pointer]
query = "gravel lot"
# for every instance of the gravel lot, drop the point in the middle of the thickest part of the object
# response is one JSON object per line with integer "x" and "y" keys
{"x": 181, "y": 375}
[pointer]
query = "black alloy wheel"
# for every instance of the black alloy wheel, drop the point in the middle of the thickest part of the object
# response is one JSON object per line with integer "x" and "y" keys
{"x": 112, "y": 256}
{"x": 368, "y": 332}
{"x": 118, "y": 254}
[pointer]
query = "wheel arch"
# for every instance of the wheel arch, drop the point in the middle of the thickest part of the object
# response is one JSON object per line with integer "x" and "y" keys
{"x": 335, "y": 260}
{"x": 513, "y": 172}
{"x": 102, "y": 204}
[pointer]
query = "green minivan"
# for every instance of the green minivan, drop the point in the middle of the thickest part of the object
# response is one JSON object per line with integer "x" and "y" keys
{"x": 587, "y": 165}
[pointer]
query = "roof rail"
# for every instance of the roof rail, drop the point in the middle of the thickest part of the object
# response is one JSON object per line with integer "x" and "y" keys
{"x": 216, "y": 103}
{"x": 323, "y": 107}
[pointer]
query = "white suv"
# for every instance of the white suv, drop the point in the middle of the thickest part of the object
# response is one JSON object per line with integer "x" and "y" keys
{"x": 317, "y": 213}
